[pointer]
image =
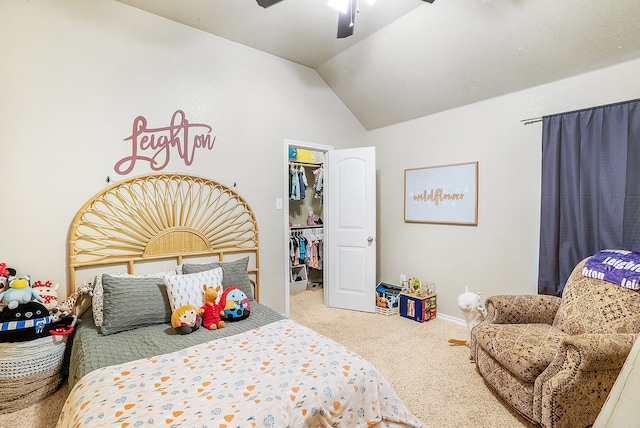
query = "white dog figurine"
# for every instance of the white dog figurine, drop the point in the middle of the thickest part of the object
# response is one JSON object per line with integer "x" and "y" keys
{"x": 474, "y": 312}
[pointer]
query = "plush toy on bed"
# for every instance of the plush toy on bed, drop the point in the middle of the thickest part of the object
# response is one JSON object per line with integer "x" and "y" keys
{"x": 186, "y": 319}
{"x": 19, "y": 291}
{"x": 212, "y": 312}
{"x": 235, "y": 304}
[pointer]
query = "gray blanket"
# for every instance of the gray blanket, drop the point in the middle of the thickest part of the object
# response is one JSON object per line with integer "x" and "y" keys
{"x": 90, "y": 350}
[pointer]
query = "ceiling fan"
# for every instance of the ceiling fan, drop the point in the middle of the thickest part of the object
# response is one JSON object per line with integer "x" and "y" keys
{"x": 346, "y": 20}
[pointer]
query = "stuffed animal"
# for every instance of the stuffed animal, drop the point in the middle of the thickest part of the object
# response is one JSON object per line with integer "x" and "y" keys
{"x": 47, "y": 292}
{"x": 68, "y": 306}
{"x": 212, "y": 312}
{"x": 235, "y": 304}
{"x": 474, "y": 312}
{"x": 5, "y": 273}
{"x": 19, "y": 291}
{"x": 26, "y": 321}
{"x": 186, "y": 319}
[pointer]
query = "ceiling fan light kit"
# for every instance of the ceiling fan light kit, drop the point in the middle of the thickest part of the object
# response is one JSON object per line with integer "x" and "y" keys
{"x": 346, "y": 18}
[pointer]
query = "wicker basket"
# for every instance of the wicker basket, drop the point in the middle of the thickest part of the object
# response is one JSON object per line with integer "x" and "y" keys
{"x": 30, "y": 371}
{"x": 386, "y": 311}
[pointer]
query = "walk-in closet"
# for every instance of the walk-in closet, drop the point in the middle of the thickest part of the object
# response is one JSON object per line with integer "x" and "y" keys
{"x": 306, "y": 231}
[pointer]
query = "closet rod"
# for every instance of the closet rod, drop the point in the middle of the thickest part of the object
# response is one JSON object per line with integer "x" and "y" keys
{"x": 317, "y": 165}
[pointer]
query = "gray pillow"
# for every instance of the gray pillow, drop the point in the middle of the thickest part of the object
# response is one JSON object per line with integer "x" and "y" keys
{"x": 130, "y": 303}
{"x": 233, "y": 273}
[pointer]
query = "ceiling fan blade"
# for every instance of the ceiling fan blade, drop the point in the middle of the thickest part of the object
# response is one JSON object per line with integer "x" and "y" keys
{"x": 347, "y": 21}
{"x": 267, "y": 3}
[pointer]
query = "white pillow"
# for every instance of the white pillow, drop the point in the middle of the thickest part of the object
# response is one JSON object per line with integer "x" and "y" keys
{"x": 187, "y": 289}
{"x": 98, "y": 290}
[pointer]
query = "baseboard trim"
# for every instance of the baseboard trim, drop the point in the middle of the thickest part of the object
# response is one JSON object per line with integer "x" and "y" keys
{"x": 452, "y": 319}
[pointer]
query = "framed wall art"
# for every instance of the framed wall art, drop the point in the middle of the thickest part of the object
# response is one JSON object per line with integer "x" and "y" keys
{"x": 446, "y": 194}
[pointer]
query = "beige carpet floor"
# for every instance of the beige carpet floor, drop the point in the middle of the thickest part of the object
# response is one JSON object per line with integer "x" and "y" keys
{"x": 436, "y": 381}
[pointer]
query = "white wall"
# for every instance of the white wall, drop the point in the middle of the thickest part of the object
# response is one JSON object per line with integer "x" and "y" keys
{"x": 74, "y": 76}
{"x": 500, "y": 255}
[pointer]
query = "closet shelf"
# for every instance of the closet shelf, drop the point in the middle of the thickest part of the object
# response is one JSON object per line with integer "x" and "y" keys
{"x": 316, "y": 226}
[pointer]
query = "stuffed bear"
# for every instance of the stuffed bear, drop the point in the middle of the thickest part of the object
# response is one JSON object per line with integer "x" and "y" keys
{"x": 235, "y": 304}
{"x": 212, "y": 312}
{"x": 19, "y": 291}
{"x": 186, "y": 319}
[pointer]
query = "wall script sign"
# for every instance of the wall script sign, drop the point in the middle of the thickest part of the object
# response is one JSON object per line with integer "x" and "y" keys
{"x": 155, "y": 145}
{"x": 442, "y": 194}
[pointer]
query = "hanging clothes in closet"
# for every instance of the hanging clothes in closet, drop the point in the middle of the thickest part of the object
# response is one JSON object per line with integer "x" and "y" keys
{"x": 297, "y": 182}
{"x": 318, "y": 186}
{"x": 306, "y": 247}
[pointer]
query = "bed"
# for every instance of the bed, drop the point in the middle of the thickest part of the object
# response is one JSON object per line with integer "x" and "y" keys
{"x": 147, "y": 244}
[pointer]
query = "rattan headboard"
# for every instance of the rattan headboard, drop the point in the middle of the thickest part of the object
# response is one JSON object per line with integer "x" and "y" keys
{"x": 162, "y": 216}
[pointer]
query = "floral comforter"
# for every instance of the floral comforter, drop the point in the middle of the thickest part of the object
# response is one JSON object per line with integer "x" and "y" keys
{"x": 279, "y": 375}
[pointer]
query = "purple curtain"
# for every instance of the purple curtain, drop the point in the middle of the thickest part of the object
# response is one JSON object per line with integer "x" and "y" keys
{"x": 590, "y": 188}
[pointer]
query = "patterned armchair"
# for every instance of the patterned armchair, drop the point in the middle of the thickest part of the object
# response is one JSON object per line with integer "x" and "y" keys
{"x": 553, "y": 359}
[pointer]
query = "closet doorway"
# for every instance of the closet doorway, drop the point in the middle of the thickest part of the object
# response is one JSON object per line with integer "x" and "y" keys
{"x": 304, "y": 213}
{"x": 348, "y": 207}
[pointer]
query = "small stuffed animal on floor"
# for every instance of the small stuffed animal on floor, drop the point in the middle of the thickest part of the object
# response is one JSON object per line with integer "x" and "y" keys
{"x": 212, "y": 312}
{"x": 19, "y": 291}
{"x": 474, "y": 312}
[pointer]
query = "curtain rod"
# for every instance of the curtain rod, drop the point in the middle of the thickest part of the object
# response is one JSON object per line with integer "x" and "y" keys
{"x": 539, "y": 119}
{"x": 530, "y": 121}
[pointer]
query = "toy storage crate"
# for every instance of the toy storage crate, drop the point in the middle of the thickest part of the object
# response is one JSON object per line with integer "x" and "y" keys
{"x": 387, "y": 299}
{"x": 30, "y": 371}
{"x": 418, "y": 308}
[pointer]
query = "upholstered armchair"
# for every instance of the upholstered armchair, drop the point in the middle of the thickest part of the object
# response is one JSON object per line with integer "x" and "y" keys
{"x": 555, "y": 359}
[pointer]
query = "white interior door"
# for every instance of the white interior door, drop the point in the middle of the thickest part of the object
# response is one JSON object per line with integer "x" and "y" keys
{"x": 350, "y": 229}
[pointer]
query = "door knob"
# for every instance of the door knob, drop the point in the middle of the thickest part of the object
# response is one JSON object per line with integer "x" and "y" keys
{"x": 370, "y": 239}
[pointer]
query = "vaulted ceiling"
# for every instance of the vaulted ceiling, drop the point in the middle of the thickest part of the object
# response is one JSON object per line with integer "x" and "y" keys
{"x": 409, "y": 58}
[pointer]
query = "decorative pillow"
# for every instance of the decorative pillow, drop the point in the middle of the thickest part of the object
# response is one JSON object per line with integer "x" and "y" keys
{"x": 233, "y": 273}
{"x": 129, "y": 303}
{"x": 96, "y": 300}
{"x": 187, "y": 289}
